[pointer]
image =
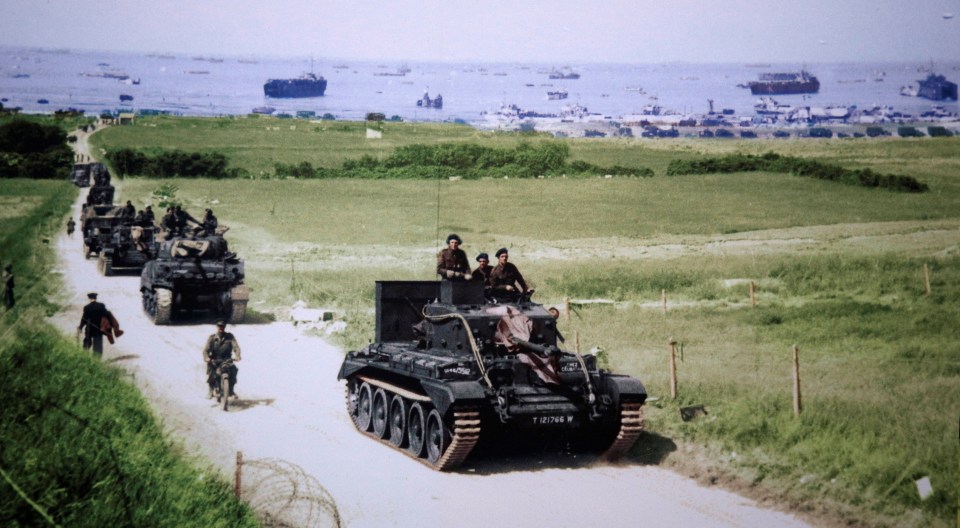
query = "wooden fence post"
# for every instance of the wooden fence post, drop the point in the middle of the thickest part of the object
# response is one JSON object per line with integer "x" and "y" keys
{"x": 797, "y": 402}
{"x": 926, "y": 279}
{"x": 663, "y": 297}
{"x": 753, "y": 295}
{"x": 567, "y": 302}
{"x": 238, "y": 474}
{"x": 673, "y": 368}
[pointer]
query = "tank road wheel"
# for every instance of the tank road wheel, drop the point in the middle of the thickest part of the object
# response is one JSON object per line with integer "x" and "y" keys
{"x": 415, "y": 430}
{"x": 437, "y": 437}
{"x": 362, "y": 415}
{"x": 239, "y": 295}
{"x": 379, "y": 413}
{"x": 105, "y": 265}
{"x": 398, "y": 421}
{"x": 164, "y": 308}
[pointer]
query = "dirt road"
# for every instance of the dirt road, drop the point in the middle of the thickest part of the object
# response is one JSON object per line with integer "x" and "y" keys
{"x": 292, "y": 428}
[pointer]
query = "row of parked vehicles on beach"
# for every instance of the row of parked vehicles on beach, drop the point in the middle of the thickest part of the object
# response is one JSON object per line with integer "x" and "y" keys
{"x": 180, "y": 271}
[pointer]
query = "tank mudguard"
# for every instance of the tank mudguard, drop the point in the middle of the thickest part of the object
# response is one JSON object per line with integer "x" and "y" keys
{"x": 444, "y": 394}
{"x": 624, "y": 388}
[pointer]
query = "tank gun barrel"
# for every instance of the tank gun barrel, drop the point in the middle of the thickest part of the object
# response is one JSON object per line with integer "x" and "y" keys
{"x": 540, "y": 349}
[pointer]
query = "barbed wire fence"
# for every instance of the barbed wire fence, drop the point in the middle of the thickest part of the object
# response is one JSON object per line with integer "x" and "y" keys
{"x": 283, "y": 495}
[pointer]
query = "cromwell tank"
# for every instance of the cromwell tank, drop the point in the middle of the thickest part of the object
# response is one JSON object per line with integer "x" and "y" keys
{"x": 129, "y": 247}
{"x": 449, "y": 367}
{"x": 191, "y": 274}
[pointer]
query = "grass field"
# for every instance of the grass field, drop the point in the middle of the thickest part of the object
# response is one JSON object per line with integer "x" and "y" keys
{"x": 839, "y": 272}
{"x": 79, "y": 445}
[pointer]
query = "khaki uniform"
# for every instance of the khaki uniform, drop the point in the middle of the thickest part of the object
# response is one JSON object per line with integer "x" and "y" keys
{"x": 504, "y": 275}
{"x": 452, "y": 260}
{"x": 219, "y": 348}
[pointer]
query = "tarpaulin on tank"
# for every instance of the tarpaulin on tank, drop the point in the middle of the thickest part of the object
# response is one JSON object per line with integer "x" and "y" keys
{"x": 514, "y": 323}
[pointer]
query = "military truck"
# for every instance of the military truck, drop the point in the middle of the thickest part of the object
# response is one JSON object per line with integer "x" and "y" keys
{"x": 129, "y": 247}
{"x": 97, "y": 223}
{"x": 449, "y": 367}
{"x": 194, "y": 274}
{"x": 80, "y": 176}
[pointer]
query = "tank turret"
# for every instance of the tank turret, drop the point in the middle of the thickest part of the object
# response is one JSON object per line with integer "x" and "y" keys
{"x": 449, "y": 366}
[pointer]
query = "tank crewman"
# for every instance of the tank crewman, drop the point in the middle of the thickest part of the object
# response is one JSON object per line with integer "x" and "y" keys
{"x": 505, "y": 279}
{"x": 129, "y": 210}
{"x": 8, "y": 285}
{"x": 482, "y": 273}
{"x": 148, "y": 216}
{"x": 181, "y": 218}
{"x": 220, "y": 347}
{"x": 169, "y": 222}
{"x": 452, "y": 263}
{"x": 93, "y": 314}
{"x": 209, "y": 223}
{"x": 71, "y": 227}
{"x": 138, "y": 219}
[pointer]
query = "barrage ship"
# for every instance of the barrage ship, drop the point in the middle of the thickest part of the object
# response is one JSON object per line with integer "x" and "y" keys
{"x": 307, "y": 86}
{"x": 785, "y": 83}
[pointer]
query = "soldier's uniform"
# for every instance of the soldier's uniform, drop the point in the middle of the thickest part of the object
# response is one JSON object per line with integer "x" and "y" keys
{"x": 220, "y": 347}
{"x": 506, "y": 274}
{"x": 93, "y": 313}
{"x": 452, "y": 264}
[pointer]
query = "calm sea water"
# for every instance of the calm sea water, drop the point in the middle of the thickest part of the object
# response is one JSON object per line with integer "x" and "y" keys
{"x": 205, "y": 86}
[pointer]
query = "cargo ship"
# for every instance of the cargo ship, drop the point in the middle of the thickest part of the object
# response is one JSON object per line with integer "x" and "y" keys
{"x": 307, "y": 86}
{"x": 937, "y": 88}
{"x": 785, "y": 83}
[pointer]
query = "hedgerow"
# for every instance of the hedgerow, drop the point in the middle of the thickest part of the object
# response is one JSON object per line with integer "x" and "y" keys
{"x": 771, "y": 162}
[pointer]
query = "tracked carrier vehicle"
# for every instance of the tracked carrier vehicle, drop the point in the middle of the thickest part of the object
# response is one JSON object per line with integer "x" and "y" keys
{"x": 194, "y": 274}
{"x": 129, "y": 247}
{"x": 449, "y": 367}
{"x": 97, "y": 223}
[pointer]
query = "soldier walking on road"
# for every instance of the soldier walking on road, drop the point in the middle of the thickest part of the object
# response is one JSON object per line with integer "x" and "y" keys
{"x": 220, "y": 347}
{"x": 71, "y": 227}
{"x": 90, "y": 322}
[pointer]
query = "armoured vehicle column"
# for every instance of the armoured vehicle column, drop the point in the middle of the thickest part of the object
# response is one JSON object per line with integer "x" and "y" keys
{"x": 448, "y": 367}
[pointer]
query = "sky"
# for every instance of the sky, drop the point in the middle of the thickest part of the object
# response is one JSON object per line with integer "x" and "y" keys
{"x": 567, "y": 31}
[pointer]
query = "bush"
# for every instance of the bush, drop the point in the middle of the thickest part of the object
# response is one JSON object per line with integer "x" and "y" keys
{"x": 875, "y": 131}
{"x": 33, "y": 150}
{"x": 801, "y": 167}
{"x": 938, "y": 131}
{"x": 821, "y": 132}
{"x": 170, "y": 163}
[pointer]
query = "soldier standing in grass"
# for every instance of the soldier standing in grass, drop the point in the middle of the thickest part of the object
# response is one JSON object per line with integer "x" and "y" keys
{"x": 8, "y": 300}
{"x": 452, "y": 263}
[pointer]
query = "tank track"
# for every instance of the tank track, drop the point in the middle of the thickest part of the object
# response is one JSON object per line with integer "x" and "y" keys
{"x": 463, "y": 436}
{"x": 631, "y": 425}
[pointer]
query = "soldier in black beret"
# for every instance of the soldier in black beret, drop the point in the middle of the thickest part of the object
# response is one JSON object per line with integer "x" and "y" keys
{"x": 506, "y": 281}
{"x": 482, "y": 273}
{"x": 452, "y": 263}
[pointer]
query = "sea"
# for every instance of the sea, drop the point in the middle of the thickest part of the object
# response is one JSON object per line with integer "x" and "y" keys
{"x": 43, "y": 80}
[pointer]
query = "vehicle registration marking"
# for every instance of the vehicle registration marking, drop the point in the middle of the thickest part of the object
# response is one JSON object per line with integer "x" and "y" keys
{"x": 552, "y": 420}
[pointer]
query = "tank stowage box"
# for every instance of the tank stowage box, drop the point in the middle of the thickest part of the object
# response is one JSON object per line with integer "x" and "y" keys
{"x": 448, "y": 366}
{"x": 194, "y": 274}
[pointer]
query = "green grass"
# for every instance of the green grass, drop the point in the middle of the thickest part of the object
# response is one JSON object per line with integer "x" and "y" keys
{"x": 78, "y": 444}
{"x": 838, "y": 270}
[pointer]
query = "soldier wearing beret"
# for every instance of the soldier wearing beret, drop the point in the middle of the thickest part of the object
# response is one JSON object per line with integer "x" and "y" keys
{"x": 505, "y": 279}
{"x": 482, "y": 273}
{"x": 452, "y": 263}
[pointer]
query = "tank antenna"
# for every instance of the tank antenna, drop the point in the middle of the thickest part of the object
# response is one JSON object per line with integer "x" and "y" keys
{"x": 437, "y": 241}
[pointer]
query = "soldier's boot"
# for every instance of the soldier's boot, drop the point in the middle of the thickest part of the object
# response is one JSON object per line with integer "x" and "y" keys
{"x": 209, "y": 393}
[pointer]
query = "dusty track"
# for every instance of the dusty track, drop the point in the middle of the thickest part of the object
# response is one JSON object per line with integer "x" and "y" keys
{"x": 292, "y": 409}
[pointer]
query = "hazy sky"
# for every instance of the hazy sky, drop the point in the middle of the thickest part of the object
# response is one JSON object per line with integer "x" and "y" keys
{"x": 567, "y": 31}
